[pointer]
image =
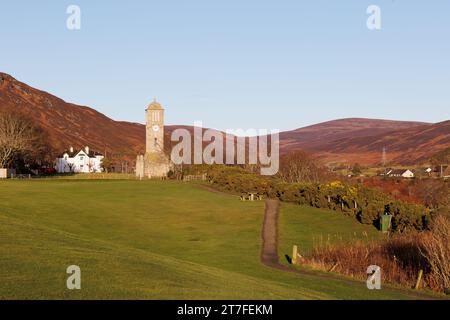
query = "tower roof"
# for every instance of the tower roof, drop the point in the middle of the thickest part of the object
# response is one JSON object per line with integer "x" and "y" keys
{"x": 155, "y": 105}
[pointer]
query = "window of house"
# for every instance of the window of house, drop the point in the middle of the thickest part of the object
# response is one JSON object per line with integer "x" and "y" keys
{"x": 81, "y": 158}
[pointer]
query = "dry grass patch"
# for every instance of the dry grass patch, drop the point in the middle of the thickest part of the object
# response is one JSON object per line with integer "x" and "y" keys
{"x": 400, "y": 257}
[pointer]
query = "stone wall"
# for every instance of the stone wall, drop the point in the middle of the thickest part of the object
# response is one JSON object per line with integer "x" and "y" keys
{"x": 153, "y": 165}
{"x": 6, "y": 173}
{"x": 140, "y": 172}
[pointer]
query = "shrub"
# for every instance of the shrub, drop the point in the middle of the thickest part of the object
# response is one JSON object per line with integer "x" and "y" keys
{"x": 361, "y": 202}
{"x": 436, "y": 250}
{"x": 400, "y": 259}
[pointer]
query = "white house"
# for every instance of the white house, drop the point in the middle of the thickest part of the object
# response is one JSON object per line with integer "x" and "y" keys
{"x": 400, "y": 173}
{"x": 83, "y": 161}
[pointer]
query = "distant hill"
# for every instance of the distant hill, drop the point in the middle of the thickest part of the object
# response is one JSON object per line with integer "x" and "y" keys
{"x": 406, "y": 146}
{"x": 362, "y": 140}
{"x": 69, "y": 124}
{"x": 346, "y": 140}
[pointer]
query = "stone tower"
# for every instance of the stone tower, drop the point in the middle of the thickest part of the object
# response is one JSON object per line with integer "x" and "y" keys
{"x": 155, "y": 128}
{"x": 155, "y": 163}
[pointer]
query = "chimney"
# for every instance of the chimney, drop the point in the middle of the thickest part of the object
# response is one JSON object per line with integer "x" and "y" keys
{"x": 71, "y": 149}
{"x": 87, "y": 150}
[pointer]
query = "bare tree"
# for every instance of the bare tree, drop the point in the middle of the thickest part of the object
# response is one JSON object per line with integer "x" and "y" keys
{"x": 436, "y": 249}
{"x": 300, "y": 167}
{"x": 18, "y": 136}
{"x": 71, "y": 167}
{"x": 106, "y": 164}
{"x": 433, "y": 193}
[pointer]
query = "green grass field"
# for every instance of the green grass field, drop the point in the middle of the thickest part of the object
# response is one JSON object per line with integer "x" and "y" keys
{"x": 156, "y": 240}
{"x": 306, "y": 227}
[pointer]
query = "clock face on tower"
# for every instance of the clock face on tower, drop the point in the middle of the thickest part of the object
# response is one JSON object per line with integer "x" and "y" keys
{"x": 155, "y": 128}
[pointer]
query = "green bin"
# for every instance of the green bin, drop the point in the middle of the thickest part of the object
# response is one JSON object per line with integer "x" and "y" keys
{"x": 385, "y": 222}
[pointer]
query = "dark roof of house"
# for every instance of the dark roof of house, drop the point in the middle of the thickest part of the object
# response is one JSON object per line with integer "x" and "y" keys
{"x": 71, "y": 154}
{"x": 92, "y": 154}
{"x": 397, "y": 171}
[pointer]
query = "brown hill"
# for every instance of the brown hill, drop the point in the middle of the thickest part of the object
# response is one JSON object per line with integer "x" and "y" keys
{"x": 315, "y": 136}
{"x": 346, "y": 140}
{"x": 69, "y": 124}
{"x": 362, "y": 140}
{"x": 407, "y": 146}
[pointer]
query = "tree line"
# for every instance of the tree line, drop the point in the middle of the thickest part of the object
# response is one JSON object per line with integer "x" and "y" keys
{"x": 23, "y": 145}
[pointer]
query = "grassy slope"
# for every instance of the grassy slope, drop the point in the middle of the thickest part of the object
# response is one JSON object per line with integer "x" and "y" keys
{"x": 147, "y": 239}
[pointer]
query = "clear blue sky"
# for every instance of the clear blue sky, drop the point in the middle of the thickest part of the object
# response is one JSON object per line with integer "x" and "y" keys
{"x": 236, "y": 64}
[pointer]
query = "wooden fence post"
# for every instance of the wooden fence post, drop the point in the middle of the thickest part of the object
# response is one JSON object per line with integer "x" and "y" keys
{"x": 294, "y": 254}
{"x": 419, "y": 278}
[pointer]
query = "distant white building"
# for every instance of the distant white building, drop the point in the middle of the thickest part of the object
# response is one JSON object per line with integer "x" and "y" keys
{"x": 400, "y": 173}
{"x": 83, "y": 161}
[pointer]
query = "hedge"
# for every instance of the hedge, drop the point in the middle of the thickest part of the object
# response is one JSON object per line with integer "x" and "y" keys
{"x": 363, "y": 203}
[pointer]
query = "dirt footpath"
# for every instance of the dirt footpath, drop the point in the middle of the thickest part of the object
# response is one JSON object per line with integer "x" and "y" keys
{"x": 269, "y": 253}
